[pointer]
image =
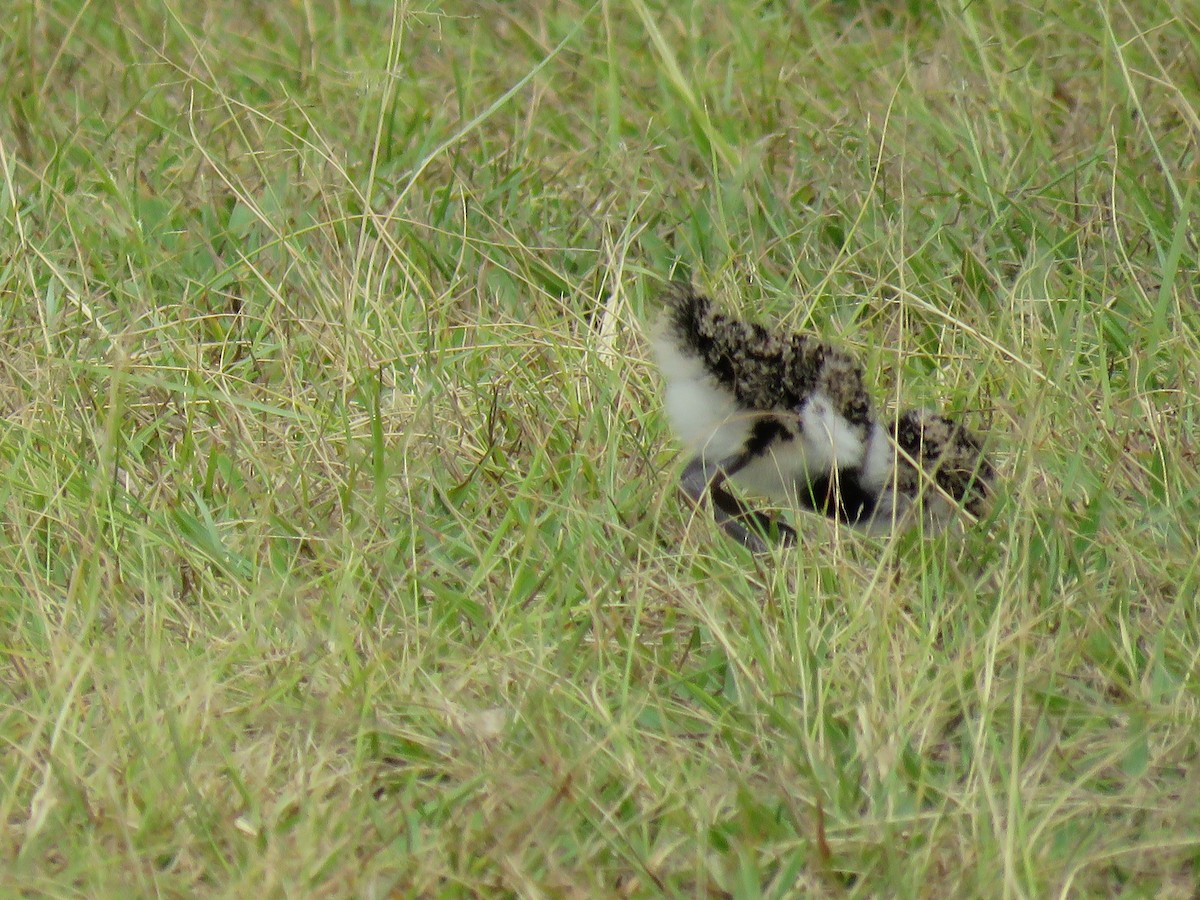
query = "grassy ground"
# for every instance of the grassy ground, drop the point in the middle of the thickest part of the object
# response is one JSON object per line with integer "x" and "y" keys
{"x": 341, "y": 553}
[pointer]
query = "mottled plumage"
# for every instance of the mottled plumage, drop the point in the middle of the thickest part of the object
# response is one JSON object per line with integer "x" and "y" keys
{"x": 789, "y": 416}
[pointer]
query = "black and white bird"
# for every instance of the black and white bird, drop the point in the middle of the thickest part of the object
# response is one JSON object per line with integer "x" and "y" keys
{"x": 788, "y": 416}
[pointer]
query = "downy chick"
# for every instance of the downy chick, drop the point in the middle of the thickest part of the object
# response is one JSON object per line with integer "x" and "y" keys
{"x": 788, "y": 416}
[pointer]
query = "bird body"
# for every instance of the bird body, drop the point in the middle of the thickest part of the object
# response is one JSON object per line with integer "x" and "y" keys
{"x": 788, "y": 416}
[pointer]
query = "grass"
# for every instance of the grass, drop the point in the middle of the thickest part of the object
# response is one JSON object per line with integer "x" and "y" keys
{"x": 341, "y": 552}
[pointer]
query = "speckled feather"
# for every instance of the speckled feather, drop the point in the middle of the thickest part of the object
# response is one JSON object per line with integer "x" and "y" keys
{"x": 944, "y": 447}
{"x": 765, "y": 370}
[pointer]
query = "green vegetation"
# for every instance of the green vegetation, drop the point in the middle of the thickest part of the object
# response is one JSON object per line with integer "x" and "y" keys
{"x": 341, "y": 553}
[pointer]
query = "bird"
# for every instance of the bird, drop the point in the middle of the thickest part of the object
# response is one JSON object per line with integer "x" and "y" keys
{"x": 788, "y": 416}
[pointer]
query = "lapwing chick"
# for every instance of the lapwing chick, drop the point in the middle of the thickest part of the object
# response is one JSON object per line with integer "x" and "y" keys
{"x": 788, "y": 416}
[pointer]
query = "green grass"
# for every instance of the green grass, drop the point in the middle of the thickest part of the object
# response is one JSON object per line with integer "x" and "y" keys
{"x": 341, "y": 553}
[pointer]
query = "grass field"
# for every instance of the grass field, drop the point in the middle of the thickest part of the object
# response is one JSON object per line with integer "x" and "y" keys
{"x": 341, "y": 550}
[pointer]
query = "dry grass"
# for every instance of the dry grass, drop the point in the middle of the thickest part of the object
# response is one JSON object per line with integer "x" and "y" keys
{"x": 341, "y": 554}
